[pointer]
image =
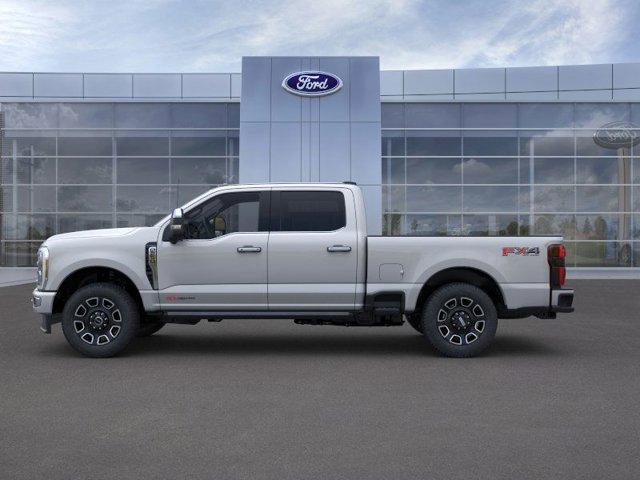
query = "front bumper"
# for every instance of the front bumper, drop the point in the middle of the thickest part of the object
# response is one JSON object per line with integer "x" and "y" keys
{"x": 42, "y": 303}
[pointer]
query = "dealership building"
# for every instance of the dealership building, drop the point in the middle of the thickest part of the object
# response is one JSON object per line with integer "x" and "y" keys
{"x": 492, "y": 151}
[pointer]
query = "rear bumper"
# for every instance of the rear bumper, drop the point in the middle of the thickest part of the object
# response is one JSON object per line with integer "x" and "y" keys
{"x": 561, "y": 301}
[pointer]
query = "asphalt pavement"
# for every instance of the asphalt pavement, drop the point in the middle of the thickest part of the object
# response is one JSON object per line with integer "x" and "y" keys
{"x": 251, "y": 399}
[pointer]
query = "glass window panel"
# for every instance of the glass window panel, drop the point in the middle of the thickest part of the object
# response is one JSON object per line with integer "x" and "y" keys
{"x": 309, "y": 212}
{"x": 393, "y": 171}
{"x": 142, "y": 115}
{"x": 85, "y": 170}
{"x": 76, "y": 222}
{"x": 433, "y": 143}
{"x": 603, "y": 170}
{"x": 525, "y": 199}
{"x": 233, "y": 112}
{"x": 432, "y": 115}
{"x": 187, "y": 193}
{"x": 392, "y": 115}
{"x": 603, "y": 227}
{"x": 90, "y": 146}
{"x": 211, "y": 145}
{"x": 490, "y": 170}
{"x": 210, "y": 171}
{"x": 564, "y": 225}
{"x": 545, "y": 115}
{"x": 636, "y": 199}
{"x": 603, "y": 254}
{"x": 233, "y": 143}
{"x": 489, "y": 145}
{"x": 525, "y": 170}
{"x": 199, "y": 115}
{"x": 636, "y": 254}
{"x": 31, "y": 227}
{"x": 36, "y": 199}
{"x": 30, "y": 115}
{"x": 636, "y": 227}
{"x": 490, "y": 225}
{"x": 603, "y": 199}
{"x": 138, "y": 220}
{"x": 553, "y": 170}
{"x": 598, "y": 114}
{"x": 554, "y": 199}
{"x": 142, "y": 170}
{"x": 434, "y": 170}
{"x": 232, "y": 170}
{"x": 490, "y": 199}
{"x": 585, "y": 145}
{"x": 29, "y": 146}
{"x": 434, "y": 199}
{"x": 85, "y": 199}
{"x": 142, "y": 146}
{"x": 393, "y": 199}
{"x": 36, "y": 170}
{"x": 19, "y": 254}
{"x": 433, "y": 225}
{"x": 6, "y": 170}
{"x": 83, "y": 115}
{"x": 488, "y": 115}
{"x": 636, "y": 170}
{"x": 392, "y": 224}
{"x": 6, "y": 199}
{"x": 543, "y": 144}
{"x": 392, "y": 143}
{"x": 151, "y": 199}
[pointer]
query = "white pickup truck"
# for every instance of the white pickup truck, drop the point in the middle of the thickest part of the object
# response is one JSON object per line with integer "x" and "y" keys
{"x": 295, "y": 251}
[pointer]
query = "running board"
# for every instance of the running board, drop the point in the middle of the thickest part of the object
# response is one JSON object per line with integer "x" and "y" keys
{"x": 192, "y": 317}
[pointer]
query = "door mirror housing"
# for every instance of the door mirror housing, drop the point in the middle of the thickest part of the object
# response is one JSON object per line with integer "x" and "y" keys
{"x": 176, "y": 232}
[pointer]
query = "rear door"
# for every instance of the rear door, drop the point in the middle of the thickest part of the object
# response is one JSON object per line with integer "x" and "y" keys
{"x": 313, "y": 250}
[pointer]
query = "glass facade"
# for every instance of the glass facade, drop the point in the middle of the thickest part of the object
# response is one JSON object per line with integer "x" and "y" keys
{"x": 78, "y": 166}
{"x": 514, "y": 169}
{"x": 447, "y": 169}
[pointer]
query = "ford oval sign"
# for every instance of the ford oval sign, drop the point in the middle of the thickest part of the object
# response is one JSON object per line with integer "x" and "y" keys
{"x": 312, "y": 84}
{"x": 617, "y": 135}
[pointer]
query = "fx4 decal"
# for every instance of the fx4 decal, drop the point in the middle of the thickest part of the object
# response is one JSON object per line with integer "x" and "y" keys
{"x": 522, "y": 251}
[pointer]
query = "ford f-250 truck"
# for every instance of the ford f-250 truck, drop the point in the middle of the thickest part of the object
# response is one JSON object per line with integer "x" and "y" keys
{"x": 293, "y": 251}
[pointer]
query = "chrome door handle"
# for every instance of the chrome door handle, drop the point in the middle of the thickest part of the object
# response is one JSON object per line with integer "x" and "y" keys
{"x": 339, "y": 248}
{"x": 249, "y": 249}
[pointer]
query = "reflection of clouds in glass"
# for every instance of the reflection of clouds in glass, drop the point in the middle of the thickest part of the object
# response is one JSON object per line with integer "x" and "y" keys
{"x": 25, "y": 115}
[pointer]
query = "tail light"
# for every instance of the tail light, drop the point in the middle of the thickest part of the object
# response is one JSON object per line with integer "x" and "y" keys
{"x": 556, "y": 254}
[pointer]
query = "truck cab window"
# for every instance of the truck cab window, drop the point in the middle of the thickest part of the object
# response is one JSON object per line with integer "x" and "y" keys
{"x": 224, "y": 214}
{"x": 312, "y": 211}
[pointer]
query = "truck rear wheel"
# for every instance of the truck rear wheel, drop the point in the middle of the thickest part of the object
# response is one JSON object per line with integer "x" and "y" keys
{"x": 459, "y": 320}
{"x": 100, "y": 319}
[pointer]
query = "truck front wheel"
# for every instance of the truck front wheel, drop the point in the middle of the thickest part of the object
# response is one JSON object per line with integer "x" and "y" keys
{"x": 100, "y": 319}
{"x": 459, "y": 320}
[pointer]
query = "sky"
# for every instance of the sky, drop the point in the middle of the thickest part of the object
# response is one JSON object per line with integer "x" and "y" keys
{"x": 212, "y": 36}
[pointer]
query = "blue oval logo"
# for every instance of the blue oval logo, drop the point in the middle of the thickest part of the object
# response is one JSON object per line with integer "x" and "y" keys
{"x": 312, "y": 84}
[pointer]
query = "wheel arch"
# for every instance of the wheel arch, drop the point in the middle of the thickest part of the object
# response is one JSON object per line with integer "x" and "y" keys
{"x": 87, "y": 275}
{"x": 470, "y": 275}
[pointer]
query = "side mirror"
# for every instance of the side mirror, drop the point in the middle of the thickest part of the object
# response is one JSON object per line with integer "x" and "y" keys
{"x": 176, "y": 232}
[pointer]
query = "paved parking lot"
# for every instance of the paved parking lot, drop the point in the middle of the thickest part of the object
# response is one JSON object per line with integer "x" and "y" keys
{"x": 270, "y": 399}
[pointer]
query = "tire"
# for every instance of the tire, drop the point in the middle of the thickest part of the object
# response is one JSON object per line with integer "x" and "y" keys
{"x": 148, "y": 328}
{"x": 415, "y": 320}
{"x": 459, "y": 320}
{"x": 99, "y": 320}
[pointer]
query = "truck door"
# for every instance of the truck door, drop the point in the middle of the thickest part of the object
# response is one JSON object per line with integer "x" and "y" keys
{"x": 221, "y": 264}
{"x": 313, "y": 250}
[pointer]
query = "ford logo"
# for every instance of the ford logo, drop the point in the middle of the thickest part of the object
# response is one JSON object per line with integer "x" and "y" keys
{"x": 312, "y": 84}
{"x": 616, "y": 135}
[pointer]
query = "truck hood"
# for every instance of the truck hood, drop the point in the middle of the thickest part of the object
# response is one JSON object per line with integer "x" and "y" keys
{"x": 105, "y": 232}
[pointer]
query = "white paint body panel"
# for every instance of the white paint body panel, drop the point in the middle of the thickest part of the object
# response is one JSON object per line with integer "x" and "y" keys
{"x": 294, "y": 270}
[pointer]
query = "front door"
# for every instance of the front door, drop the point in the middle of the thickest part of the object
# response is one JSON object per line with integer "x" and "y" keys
{"x": 313, "y": 250}
{"x": 221, "y": 264}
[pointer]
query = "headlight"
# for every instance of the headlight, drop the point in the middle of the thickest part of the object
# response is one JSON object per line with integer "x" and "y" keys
{"x": 43, "y": 267}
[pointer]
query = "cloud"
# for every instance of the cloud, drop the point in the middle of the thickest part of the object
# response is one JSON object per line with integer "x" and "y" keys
{"x": 166, "y": 35}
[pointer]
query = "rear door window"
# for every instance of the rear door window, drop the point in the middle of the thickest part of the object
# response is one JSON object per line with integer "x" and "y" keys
{"x": 310, "y": 211}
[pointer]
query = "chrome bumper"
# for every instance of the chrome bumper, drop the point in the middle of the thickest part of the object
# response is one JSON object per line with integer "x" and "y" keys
{"x": 42, "y": 303}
